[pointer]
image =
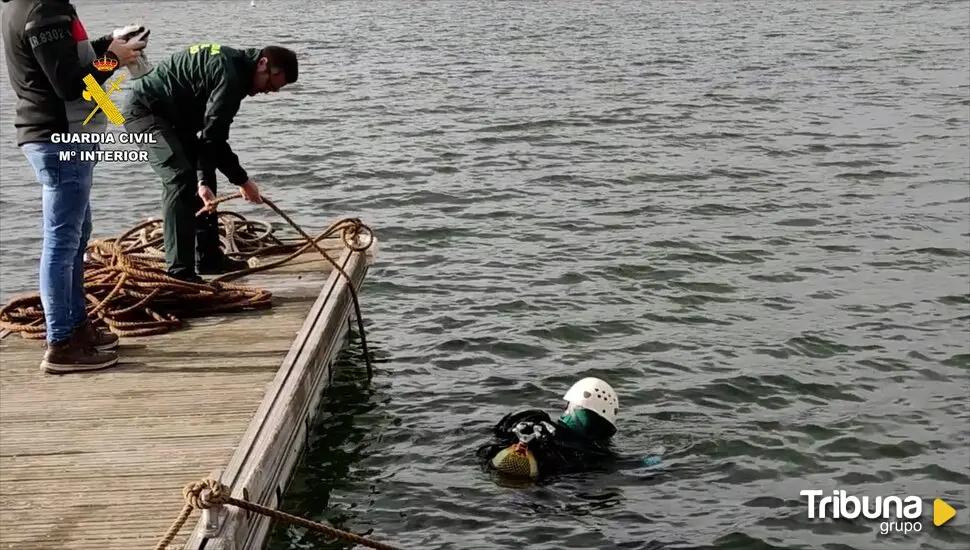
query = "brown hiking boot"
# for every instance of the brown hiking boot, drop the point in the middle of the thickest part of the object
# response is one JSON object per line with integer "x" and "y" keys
{"x": 90, "y": 335}
{"x": 75, "y": 355}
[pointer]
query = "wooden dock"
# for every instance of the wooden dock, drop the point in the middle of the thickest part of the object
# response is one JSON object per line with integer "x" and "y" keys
{"x": 98, "y": 460}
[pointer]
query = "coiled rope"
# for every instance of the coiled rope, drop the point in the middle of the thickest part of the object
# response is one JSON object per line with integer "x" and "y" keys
{"x": 219, "y": 494}
{"x": 129, "y": 291}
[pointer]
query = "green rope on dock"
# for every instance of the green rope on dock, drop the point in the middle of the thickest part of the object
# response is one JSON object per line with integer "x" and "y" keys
{"x": 219, "y": 495}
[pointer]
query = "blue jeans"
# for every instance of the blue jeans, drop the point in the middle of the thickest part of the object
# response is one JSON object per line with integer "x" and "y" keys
{"x": 66, "y": 206}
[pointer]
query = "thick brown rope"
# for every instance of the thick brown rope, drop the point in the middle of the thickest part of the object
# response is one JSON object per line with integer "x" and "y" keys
{"x": 219, "y": 494}
{"x": 129, "y": 291}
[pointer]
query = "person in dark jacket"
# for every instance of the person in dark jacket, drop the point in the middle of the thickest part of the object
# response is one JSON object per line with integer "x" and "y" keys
{"x": 188, "y": 102}
{"x": 529, "y": 444}
{"x": 48, "y": 54}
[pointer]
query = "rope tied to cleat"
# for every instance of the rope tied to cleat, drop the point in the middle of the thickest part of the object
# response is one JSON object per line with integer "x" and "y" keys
{"x": 219, "y": 494}
{"x": 129, "y": 291}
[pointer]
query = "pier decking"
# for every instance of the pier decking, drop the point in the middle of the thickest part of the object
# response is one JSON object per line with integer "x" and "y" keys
{"x": 98, "y": 460}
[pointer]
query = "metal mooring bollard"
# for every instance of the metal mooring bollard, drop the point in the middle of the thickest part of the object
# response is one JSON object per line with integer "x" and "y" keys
{"x": 214, "y": 518}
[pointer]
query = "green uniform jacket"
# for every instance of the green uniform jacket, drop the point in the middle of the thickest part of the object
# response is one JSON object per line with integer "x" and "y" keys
{"x": 200, "y": 89}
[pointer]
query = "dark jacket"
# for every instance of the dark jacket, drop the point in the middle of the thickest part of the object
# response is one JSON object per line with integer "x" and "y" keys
{"x": 200, "y": 89}
{"x": 563, "y": 452}
{"x": 48, "y": 55}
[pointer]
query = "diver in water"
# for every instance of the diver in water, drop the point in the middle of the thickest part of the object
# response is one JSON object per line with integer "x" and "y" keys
{"x": 529, "y": 444}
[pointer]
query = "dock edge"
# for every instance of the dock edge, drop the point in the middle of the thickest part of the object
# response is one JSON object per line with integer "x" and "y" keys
{"x": 264, "y": 461}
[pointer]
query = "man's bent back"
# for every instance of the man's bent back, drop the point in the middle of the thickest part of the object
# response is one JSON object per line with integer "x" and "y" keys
{"x": 188, "y": 102}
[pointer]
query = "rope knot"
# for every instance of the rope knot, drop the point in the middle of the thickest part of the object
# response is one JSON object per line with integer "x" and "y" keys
{"x": 356, "y": 235}
{"x": 218, "y": 494}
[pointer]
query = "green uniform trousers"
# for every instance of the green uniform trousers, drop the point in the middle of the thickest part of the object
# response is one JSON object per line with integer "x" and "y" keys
{"x": 173, "y": 158}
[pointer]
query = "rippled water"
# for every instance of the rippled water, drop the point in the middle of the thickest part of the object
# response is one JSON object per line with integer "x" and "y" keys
{"x": 751, "y": 218}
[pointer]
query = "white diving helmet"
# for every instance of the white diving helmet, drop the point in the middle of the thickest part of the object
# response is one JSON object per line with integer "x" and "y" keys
{"x": 596, "y": 396}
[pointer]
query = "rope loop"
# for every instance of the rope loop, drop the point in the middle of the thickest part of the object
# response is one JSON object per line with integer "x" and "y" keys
{"x": 356, "y": 235}
{"x": 218, "y": 494}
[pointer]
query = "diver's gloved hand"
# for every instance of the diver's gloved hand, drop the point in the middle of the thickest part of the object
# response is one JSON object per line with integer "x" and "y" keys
{"x": 135, "y": 33}
{"x": 652, "y": 460}
{"x": 655, "y": 457}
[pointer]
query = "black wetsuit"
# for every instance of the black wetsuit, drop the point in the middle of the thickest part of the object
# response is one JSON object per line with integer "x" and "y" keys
{"x": 188, "y": 102}
{"x": 563, "y": 452}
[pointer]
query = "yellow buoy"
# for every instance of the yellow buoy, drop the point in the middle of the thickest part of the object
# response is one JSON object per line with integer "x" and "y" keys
{"x": 516, "y": 460}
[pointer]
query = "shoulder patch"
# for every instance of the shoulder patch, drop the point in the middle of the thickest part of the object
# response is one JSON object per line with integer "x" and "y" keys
{"x": 78, "y": 31}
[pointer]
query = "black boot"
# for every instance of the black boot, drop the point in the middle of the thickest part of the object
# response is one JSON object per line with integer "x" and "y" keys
{"x": 221, "y": 265}
{"x": 187, "y": 277}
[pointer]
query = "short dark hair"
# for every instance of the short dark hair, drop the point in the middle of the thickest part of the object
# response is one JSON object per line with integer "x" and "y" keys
{"x": 283, "y": 59}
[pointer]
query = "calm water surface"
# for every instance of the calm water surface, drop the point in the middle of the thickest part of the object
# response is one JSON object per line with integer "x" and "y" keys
{"x": 751, "y": 218}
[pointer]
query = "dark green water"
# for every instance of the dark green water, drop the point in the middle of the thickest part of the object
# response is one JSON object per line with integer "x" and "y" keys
{"x": 751, "y": 218}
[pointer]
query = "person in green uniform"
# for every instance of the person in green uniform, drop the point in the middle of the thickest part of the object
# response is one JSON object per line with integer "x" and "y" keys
{"x": 188, "y": 103}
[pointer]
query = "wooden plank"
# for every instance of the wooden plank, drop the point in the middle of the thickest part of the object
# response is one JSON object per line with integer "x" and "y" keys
{"x": 97, "y": 460}
{"x": 264, "y": 462}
